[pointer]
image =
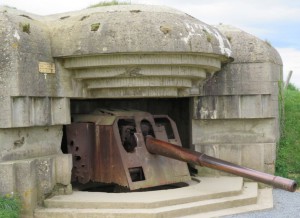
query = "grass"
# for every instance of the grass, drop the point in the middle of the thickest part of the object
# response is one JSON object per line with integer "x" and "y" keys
{"x": 288, "y": 153}
{"x": 10, "y": 206}
{"x": 108, "y": 3}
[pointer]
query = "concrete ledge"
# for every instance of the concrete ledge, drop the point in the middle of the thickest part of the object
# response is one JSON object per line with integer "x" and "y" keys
{"x": 264, "y": 201}
{"x": 208, "y": 188}
{"x": 212, "y": 194}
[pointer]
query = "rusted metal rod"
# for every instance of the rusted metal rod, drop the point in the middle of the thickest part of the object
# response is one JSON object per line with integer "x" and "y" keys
{"x": 166, "y": 149}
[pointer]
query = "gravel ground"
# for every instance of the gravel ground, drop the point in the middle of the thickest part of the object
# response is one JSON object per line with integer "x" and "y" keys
{"x": 286, "y": 204}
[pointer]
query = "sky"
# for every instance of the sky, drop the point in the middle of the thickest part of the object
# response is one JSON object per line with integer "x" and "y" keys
{"x": 277, "y": 21}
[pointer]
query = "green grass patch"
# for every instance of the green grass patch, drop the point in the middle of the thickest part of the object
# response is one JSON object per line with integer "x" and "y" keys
{"x": 109, "y": 3}
{"x": 10, "y": 206}
{"x": 288, "y": 153}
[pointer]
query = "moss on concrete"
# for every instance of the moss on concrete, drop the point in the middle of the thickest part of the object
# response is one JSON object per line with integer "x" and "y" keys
{"x": 25, "y": 27}
{"x": 95, "y": 26}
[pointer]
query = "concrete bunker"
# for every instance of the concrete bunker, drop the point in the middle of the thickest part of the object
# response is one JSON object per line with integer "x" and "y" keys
{"x": 166, "y": 63}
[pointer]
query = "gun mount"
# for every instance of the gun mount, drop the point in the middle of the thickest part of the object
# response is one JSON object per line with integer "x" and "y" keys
{"x": 138, "y": 150}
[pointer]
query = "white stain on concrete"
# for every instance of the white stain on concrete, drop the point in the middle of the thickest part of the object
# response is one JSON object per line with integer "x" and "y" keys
{"x": 205, "y": 113}
{"x": 192, "y": 31}
{"x": 16, "y": 35}
{"x": 196, "y": 29}
{"x": 223, "y": 48}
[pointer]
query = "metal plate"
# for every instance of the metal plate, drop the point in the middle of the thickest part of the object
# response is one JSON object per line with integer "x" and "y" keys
{"x": 46, "y": 67}
{"x": 81, "y": 144}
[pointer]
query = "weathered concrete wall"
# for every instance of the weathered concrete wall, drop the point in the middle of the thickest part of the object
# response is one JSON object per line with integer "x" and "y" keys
{"x": 236, "y": 118}
{"x": 35, "y": 178}
{"x": 24, "y": 143}
{"x": 27, "y": 96}
{"x": 32, "y": 113}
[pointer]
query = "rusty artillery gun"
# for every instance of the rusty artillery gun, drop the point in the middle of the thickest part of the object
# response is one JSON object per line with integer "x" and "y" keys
{"x": 138, "y": 150}
{"x": 166, "y": 149}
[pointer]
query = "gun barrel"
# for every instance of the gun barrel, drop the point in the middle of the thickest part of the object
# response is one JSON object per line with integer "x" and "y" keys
{"x": 166, "y": 149}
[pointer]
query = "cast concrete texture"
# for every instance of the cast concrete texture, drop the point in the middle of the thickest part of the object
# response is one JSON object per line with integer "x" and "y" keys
{"x": 168, "y": 53}
{"x": 164, "y": 53}
{"x": 236, "y": 118}
{"x": 33, "y": 179}
{"x": 171, "y": 31}
{"x": 97, "y": 56}
{"x": 222, "y": 195}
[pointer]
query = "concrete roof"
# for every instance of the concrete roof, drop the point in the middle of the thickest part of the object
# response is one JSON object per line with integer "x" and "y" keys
{"x": 125, "y": 29}
{"x": 248, "y": 48}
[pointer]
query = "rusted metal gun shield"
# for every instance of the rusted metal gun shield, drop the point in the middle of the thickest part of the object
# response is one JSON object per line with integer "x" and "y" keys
{"x": 111, "y": 163}
{"x": 80, "y": 137}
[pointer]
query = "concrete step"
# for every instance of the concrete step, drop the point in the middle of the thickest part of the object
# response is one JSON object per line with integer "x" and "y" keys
{"x": 208, "y": 188}
{"x": 205, "y": 199}
{"x": 264, "y": 201}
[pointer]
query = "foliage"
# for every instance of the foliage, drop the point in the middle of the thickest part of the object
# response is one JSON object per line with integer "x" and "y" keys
{"x": 108, "y": 3}
{"x": 10, "y": 206}
{"x": 288, "y": 156}
{"x": 292, "y": 87}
